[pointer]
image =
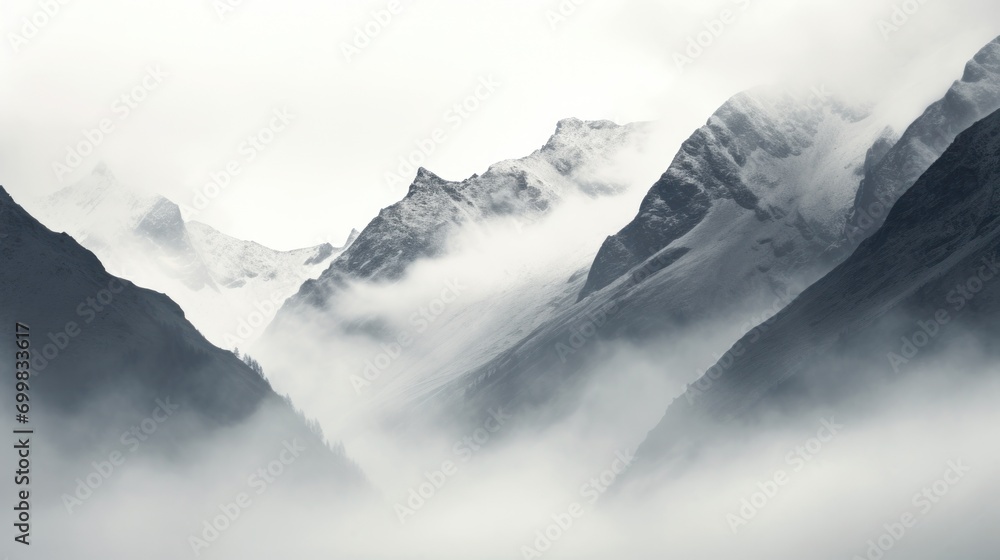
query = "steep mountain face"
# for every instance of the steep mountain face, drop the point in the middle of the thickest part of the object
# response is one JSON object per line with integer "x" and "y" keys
{"x": 221, "y": 282}
{"x": 733, "y": 229}
{"x": 750, "y": 212}
{"x": 927, "y": 279}
{"x": 764, "y": 155}
{"x": 420, "y": 225}
{"x": 104, "y": 353}
{"x": 970, "y": 99}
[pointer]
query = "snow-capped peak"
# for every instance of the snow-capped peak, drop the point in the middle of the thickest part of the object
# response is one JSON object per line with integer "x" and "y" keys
{"x": 970, "y": 99}
{"x": 218, "y": 280}
{"x": 789, "y": 157}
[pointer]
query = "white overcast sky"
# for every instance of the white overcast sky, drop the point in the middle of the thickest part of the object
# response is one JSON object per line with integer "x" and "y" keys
{"x": 324, "y": 174}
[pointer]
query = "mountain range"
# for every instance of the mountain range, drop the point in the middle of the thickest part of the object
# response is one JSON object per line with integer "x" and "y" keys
{"x": 513, "y": 220}
{"x": 758, "y": 204}
{"x": 923, "y": 285}
{"x": 119, "y": 379}
{"x": 813, "y": 259}
{"x": 229, "y": 288}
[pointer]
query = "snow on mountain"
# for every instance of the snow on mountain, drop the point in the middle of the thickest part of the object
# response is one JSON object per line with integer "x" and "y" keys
{"x": 229, "y": 288}
{"x": 970, "y": 99}
{"x": 924, "y": 283}
{"x": 46, "y": 278}
{"x": 118, "y": 222}
{"x": 106, "y": 355}
{"x": 784, "y": 165}
{"x": 506, "y": 248}
{"x": 419, "y": 226}
{"x": 750, "y": 212}
{"x": 733, "y": 228}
